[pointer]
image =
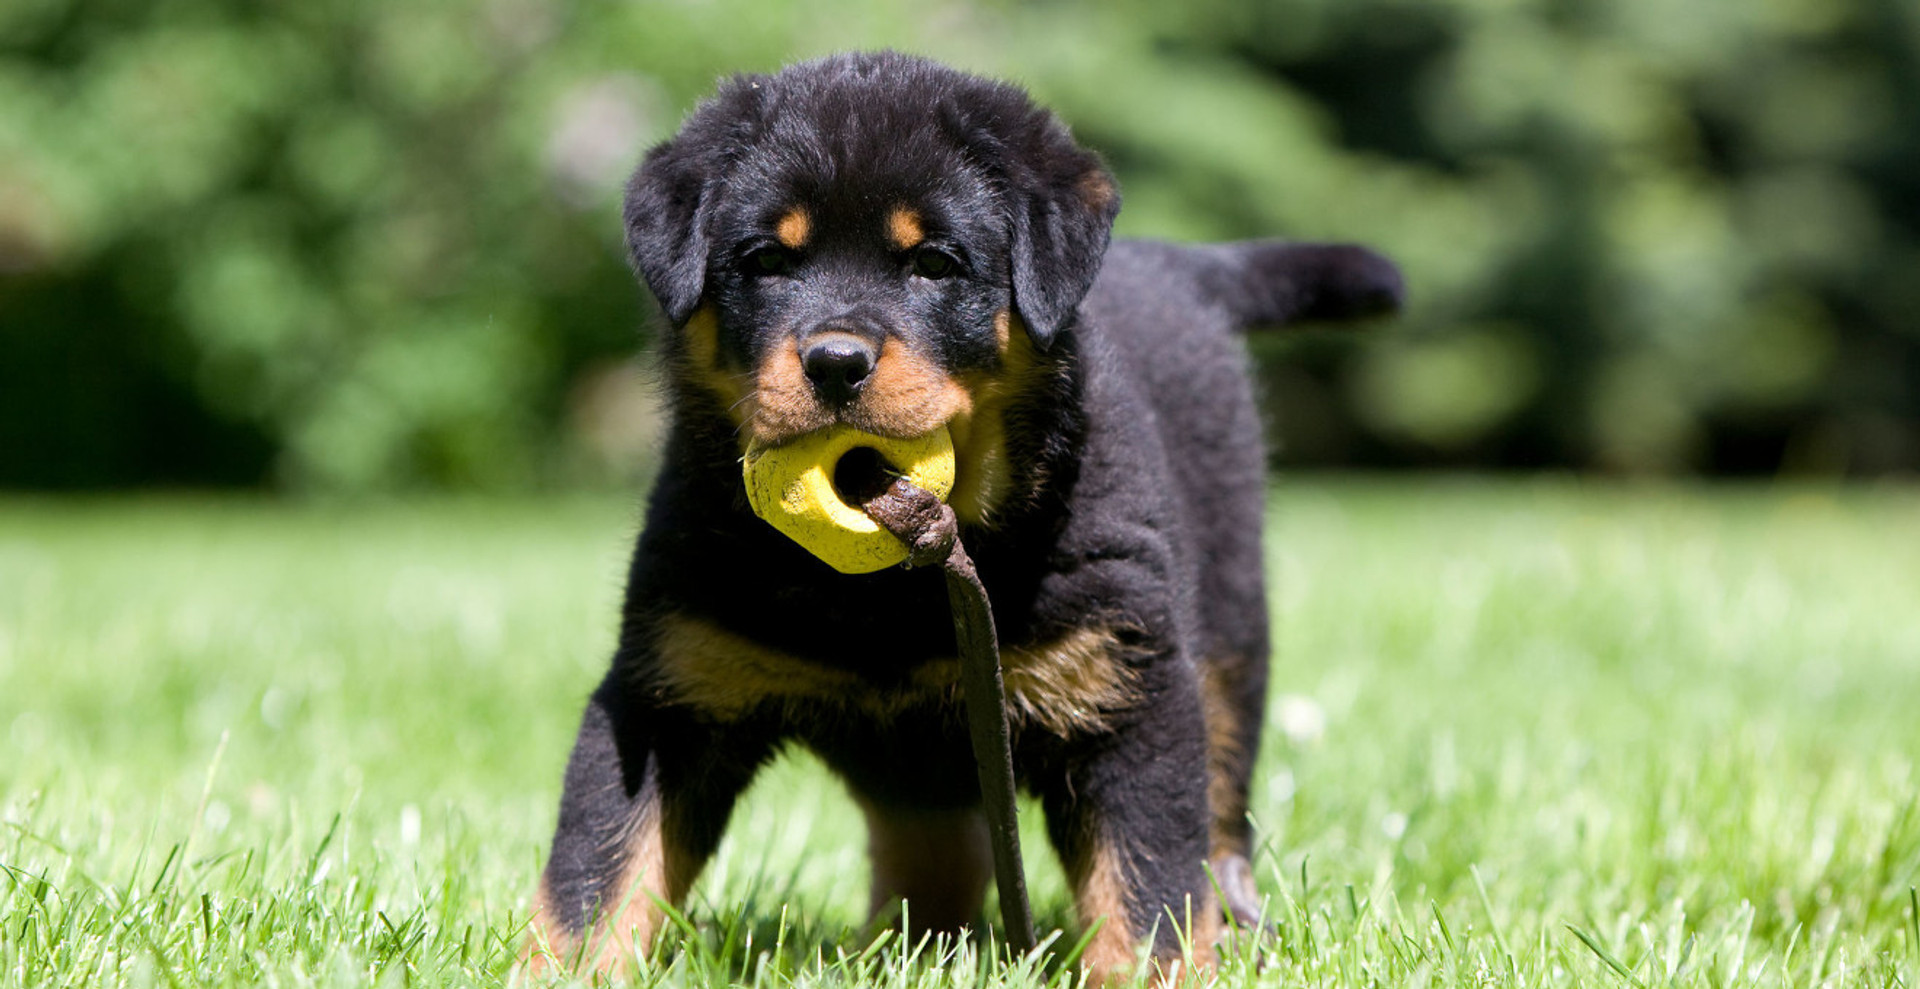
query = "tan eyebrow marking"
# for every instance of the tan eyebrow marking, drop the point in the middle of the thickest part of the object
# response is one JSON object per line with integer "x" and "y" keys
{"x": 903, "y": 228}
{"x": 793, "y": 229}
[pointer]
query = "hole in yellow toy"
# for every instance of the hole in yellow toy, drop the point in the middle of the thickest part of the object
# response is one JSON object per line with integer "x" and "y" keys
{"x": 862, "y": 475}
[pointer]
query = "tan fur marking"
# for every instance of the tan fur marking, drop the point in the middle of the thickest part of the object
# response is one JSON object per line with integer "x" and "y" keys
{"x": 644, "y": 881}
{"x": 1100, "y": 894}
{"x": 782, "y": 406}
{"x": 1100, "y": 888}
{"x": 1112, "y": 959}
{"x": 907, "y": 395}
{"x": 725, "y": 675}
{"x": 794, "y": 228}
{"x": 1198, "y": 927}
{"x": 1208, "y": 926}
{"x": 1096, "y": 190}
{"x": 698, "y": 361}
{"x": 546, "y": 944}
{"x": 1223, "y": 753}
{"x": 904, "y": 229}
{"x": 983, "y": 473}
{"x": 1070, "y": 686}
{"x": 650, "y": 875}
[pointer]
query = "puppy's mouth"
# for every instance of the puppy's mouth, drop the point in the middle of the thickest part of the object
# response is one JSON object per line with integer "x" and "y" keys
{"x": 906, "y": 396}
{"x": 773, "y": 423}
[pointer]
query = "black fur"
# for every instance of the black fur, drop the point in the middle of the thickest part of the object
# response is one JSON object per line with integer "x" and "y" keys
{"x": 1132, "y": 502}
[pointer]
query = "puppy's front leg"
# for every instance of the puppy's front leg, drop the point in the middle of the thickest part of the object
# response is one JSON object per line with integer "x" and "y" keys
{"x": 1128, "y": 814}
{"x": 647, "y": 794}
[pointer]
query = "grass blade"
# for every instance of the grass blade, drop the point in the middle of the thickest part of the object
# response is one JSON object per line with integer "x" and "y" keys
{"x": 1606, "y": 956}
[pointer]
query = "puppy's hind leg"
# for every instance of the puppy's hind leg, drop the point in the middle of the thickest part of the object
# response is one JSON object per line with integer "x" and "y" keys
{"x": 1233, "y": 689}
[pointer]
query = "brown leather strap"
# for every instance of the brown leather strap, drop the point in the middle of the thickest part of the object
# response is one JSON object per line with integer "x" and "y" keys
{"x": 927, "y": 526}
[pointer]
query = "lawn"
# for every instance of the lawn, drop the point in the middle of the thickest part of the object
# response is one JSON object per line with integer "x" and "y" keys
{"x": 1524, "y": 733}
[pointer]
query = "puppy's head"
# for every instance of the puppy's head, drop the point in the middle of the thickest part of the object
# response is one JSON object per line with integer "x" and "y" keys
{"x": 872, "y": 240}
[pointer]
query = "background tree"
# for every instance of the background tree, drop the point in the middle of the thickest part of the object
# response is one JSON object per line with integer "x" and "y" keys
{"x": 347, "y": 246}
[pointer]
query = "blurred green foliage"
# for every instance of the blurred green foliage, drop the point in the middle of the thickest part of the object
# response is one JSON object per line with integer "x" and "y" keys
{"x": 342, "y": 245}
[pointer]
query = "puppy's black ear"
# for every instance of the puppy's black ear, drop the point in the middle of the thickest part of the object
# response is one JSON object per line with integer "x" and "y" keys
{"x": 666, "y": 235}
{"x": 1063, "y": 204}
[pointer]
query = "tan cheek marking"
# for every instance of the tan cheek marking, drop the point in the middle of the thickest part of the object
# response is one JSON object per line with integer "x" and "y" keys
{"x": 904, "y": 229}
{"x": 982, "y": 472}
{"x": 910, "y": 395}
{"x": 698, "y": 361}
{"x": 793, "y": 229}
{"x": 701, "y": 338}
{"x": 782, "y": 403}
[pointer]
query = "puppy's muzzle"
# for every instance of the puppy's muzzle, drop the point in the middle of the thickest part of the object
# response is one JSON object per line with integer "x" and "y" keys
{"x": 838, "y": 365}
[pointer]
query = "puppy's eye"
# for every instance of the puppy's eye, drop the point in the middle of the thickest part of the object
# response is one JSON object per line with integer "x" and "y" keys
{"x": 770, "y": 261}
{"x": 930, "y": 263}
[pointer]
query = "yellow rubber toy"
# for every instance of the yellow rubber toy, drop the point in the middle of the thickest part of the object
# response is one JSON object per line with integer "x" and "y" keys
{"x": 791, "y": 486}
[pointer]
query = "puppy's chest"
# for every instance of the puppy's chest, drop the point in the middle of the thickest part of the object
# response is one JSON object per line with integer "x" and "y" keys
{"x": 1070, "y": 684}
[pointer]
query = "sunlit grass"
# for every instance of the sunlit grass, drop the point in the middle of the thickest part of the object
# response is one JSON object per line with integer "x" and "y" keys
{"x": 1525, "y": 734}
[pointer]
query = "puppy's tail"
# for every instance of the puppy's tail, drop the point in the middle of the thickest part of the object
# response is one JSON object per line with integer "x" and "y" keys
{"x": 1268, "y": 283}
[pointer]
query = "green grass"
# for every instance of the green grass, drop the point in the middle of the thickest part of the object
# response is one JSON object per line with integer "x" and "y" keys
{"x": 1530, "y": 734}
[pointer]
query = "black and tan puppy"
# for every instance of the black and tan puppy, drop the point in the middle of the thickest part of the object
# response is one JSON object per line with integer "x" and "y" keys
{"x": 879, "y": 241}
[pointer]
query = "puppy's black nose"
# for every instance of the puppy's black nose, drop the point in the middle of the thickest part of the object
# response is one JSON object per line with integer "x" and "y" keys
{"x": 838, "y": 365}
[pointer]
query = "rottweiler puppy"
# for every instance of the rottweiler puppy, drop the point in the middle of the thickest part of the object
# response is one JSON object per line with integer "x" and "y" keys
{"x": 880, "y": 241}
